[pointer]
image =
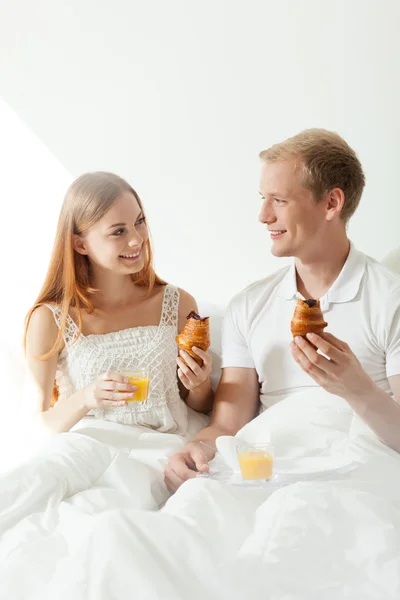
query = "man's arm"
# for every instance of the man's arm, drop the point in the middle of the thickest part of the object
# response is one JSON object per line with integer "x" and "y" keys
{"x": 380, "y": 411}
{"x": 342, "y": 374}
{"x": 236, "y": 403}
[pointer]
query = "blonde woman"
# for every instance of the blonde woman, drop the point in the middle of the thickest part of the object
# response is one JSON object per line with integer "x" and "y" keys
{"x": 102, "y": 308}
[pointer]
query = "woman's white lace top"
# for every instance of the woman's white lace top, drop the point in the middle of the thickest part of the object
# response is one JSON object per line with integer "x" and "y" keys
{"x": 154, "y": 347}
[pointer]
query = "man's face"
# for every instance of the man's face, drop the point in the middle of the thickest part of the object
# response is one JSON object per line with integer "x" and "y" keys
{"x": 296, "y": 222}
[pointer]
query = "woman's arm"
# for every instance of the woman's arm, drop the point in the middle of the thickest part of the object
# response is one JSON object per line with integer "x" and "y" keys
{"x": 109, "y": 389}
{"x": 194, "y": 386}
{"x": 40, "y": 375}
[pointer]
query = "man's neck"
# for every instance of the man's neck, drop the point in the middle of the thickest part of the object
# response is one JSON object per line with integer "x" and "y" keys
{"x": 315, "y": 277}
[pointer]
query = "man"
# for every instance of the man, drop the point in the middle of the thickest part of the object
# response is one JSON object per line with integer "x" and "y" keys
{"x": 311, "y": 185}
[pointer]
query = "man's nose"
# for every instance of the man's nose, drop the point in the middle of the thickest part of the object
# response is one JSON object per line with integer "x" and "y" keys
{"x": 267, "y": 214}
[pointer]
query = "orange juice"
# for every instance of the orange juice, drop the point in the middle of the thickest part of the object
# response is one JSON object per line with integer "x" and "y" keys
{"x": 140, "y": 378}
{"x": 255, "y": 464}
{"x": 142, "y": 384}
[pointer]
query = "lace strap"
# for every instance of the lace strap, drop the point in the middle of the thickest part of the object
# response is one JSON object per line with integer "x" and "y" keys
{"x": 169, "y": 314}
{"x": 71, "y": 328}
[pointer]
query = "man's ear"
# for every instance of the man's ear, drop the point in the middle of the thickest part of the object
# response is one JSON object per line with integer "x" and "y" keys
{"x": 79, "y": 245}
{"x": 334, "y": 203}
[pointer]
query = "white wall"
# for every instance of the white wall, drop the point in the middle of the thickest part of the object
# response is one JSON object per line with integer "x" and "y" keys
{"x": 32, "y": 182}
{"x": 179, "y": 97}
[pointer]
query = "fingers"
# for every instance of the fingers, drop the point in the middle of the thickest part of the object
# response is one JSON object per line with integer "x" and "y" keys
{"x": 199, "y": 457}
{"x": 333, "y": 341}
{"x": 114, "y": 389}
{"x": 184, "y": 379}
{"x": 178, "y": 471}
{"x": 188, "y": 378}
{"x": 185, "y": 465}
{"x": 190, "y": 372}
{"x": 117, "y": 392}
{"x": 181, "y": 469}
{"x": 112, "y": 386}
{"x": 325, "y": 347}
{"x": 114, "y": 376}
{"x": 329, "y": 361}
{"x": 207, "y": 360}
{"x": 190, "y": 366}
{"x": 307, "y": 357}
{"x": 172, "y": 481}
{"x": 325, "y": 361}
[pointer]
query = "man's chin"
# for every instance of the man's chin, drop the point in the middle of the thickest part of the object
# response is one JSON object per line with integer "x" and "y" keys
{"x": 279, "y": 252}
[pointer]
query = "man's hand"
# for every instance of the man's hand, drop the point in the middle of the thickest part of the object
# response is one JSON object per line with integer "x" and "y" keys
{"x": 339, "y": 371}
{"x": 185, "y": 465}
{"x": 342, "y": 374}
{"x": 236, "y": 403}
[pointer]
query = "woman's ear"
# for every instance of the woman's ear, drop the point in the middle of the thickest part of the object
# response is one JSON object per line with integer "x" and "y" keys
{"x": 79, "y": 245}
{"x": 335, "y": 203}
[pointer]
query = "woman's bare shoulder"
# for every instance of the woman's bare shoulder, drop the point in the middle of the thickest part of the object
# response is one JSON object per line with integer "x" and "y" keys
{"x": 42, "y": 331}
{"x": 187, "y": 303}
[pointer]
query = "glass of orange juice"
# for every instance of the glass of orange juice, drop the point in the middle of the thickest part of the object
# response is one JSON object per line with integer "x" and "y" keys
{"x": 140, "y": 378}
{"x": 256, "y": 461}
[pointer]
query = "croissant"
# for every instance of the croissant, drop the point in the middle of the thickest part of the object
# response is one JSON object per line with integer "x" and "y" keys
{"x": 307, "y": 318}
{"x": 195, "y": 333}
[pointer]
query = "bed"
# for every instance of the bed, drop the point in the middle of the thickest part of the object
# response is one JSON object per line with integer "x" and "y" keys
{"x": 86, "y": 514}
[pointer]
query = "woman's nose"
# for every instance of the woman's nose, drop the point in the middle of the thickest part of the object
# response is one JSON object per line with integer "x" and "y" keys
{"x": 135, "y": 240}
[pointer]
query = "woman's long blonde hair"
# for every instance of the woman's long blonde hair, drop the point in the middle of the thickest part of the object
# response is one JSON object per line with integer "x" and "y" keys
{"x": 67, "y": 282}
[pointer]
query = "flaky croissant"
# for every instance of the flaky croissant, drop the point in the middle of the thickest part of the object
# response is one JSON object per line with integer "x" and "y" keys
{"x": 195, "y": 333}
{"x": 307, "y": 318}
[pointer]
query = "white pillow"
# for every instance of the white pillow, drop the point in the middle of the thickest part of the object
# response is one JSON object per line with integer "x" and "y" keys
{"x": 392, "y": 260}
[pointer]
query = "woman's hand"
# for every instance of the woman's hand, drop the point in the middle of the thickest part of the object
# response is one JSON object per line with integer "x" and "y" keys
{"x": 109, "y": 389}
{"x": 192, "y": 374}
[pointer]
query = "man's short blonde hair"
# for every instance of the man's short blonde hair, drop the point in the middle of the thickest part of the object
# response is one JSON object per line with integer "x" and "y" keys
{"x": 326, "y": 162}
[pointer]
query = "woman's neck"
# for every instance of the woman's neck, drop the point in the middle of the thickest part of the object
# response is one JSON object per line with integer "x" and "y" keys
{"x": 114, "y": 291}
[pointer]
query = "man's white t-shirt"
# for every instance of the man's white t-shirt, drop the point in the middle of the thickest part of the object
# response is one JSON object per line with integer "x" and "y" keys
{"x": 362, "y": 308}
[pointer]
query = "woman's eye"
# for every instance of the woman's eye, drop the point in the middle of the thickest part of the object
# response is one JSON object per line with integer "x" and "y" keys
{"x": 140, "y": 221}
{"x": 118, "y": 232}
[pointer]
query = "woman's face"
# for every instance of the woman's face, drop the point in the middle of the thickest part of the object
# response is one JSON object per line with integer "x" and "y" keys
{"x": 117, "y": 241}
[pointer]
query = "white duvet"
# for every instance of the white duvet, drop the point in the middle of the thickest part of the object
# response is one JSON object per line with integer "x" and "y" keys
{"x": 82, "y": 519}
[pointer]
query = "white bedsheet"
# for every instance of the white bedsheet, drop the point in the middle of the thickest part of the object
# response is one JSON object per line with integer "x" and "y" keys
{"x": 80, "y": 520}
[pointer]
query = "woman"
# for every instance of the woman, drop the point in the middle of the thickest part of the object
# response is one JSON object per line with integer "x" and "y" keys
{"x": 103, "y": 309}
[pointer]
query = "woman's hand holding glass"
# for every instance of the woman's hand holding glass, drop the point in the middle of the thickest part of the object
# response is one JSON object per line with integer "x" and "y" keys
{"x": 111, "y": 389}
